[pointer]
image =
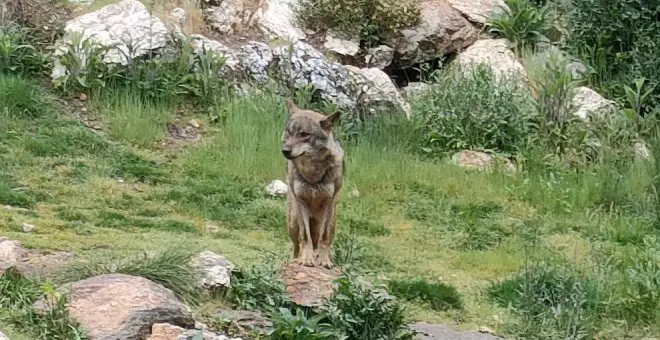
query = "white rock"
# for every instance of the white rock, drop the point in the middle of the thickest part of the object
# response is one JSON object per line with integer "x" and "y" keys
{"x": 200, "y": 42}
{"x": 348, "y": 47}
{"x": 415, "y": 89}
{"x": 641, "y": 150}
{"x": 28, "y": 228}
{"x": 277, "y": 188}
{"x": 224, "y": 17}
{"x": 3, "y": 336}
{"x": 215, "y": 269}
{"x": 276, "y": 19}
{"x": 379, "y": 56}
{"x": 123, "y": 24}
{"x": 479, "y": 11}
{"x": 588, "y": 102}
{"x": 382, "y": 89}
{"x": 180, "y": 15}
{"x": 11, "y": 252}
{"x": 478, "y": 160}
{"x": 494, "y": 53}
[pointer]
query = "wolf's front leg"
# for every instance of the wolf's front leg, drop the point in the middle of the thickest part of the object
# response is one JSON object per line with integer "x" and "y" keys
{"x": 307, "y": 258}
{"x": 326, "y": 226}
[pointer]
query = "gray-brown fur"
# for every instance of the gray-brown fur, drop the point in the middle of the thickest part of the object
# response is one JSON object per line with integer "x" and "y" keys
{"x": 315, "y": 175}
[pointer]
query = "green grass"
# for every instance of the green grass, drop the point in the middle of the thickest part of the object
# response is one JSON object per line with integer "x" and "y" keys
{"x": 112, "y": 195}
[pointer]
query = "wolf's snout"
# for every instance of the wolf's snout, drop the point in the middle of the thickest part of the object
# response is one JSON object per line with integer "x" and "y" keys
{"x": 286, "y": 152}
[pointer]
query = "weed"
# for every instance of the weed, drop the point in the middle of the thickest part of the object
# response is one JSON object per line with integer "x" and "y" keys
{"x": 20, "y": 98}
{"x": 524, "y": 24}
{"x": 288, "y": 326}
{"x": 258, "y": 287}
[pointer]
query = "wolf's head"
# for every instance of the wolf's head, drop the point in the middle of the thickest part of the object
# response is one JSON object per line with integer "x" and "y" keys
{"x": 307, "y": 133}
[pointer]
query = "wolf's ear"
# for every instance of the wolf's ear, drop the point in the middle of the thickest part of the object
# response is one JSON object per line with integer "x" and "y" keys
{"x": 330, "y": 120}
{"x": 291, "y": 106}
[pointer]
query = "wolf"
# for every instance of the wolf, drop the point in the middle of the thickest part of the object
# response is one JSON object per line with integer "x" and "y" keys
{"x": 315, "y": 171}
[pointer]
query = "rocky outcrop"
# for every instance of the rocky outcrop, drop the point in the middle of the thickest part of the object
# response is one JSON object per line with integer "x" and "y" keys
{"x": 588, "y": 103}
{"x": 341, "y": 45}
{"x": 380, "y": 94}
{"x": 479, "y": 11}
{"x": 117, "y": 306}
{"x": 276, "y": 19}
{"x": 226, "y": 16}
{"x": 379, "y": 56}
{"x": 495, "y": 54}
{"x": 443, "y": 30}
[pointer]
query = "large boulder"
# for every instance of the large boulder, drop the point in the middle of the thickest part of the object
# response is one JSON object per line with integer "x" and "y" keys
{"x": 495, "y": 54}
{"x": 443, "y": 30}
{"x": 588, "y": 103}
{"x": 127, "y": 26}
{"x": 380, "y": 93}
{"x": 277, "y": 20}
{"x": 479, "y": 11}
{"x": 117, "y": 306}
{"x": 214, "y": 270}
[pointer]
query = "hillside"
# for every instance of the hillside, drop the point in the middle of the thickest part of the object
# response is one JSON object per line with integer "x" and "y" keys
{"x": 500, "y": 169}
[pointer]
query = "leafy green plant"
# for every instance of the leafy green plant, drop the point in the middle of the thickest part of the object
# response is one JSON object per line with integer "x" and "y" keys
{"x": 258, "y": 287}
{"x": 18, "y": 54}
{"x": 365, "y": 311}
{"x": 82, "y": 65}
{"x": 370, "y": 20}
{"x": 471, "y": 110}
{"x": 288, "y": 326}
{"x": 638, "y": 97}
{"x": 439, "y": 296}
{"x": 524, "y": 24}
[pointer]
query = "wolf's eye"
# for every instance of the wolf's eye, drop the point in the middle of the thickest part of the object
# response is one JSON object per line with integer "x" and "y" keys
{"x": 304, "y": 134}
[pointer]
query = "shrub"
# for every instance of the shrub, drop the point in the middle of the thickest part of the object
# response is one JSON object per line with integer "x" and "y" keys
{"x": 618, "y": 40}
{"x": 371, "y": 20}
{"x": 363, "y": 311}
{"x": 18, "y": 55}
{"x": 439, "y": 296}
{"x": 471, "y": 110}
{"x": 258, "y": 287}
{"x": 287, "y": 326}
{"x": 524, "y": 24}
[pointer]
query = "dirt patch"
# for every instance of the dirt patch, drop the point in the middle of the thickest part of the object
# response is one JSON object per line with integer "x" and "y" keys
{"x": 183, "y": 131}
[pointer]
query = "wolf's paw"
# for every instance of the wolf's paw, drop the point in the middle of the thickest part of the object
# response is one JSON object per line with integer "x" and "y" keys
{"x": 324, "y": 259}
{"x": 307, "y": 258}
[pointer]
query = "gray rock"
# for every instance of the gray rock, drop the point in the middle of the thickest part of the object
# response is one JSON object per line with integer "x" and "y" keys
{"x": 415, "y": 89}
{"x": 479, "y": 11}
{"x": 28, "y": 228}
{"x": 3, "y": 336}
{"x": 246, "y": 320}
{"x": 641, "y": 150}
{"x": 179, "y": 14}
{"x": 478, "y": 160}
{"x": 165, "y": 331}
{"x": 340, "y": 45}
{"x": 200, "y": 42}
{"x": 225, "y": 17}
{"x": 276, "y": 20}
{"x": 495, "y": 54}
{"x": 588, "y": 103}
{"x": 379, "y": 56}
{"x": 32, "y": 263}
{"x": 379, "y": 91}
{"x": 442, "y": 332}
{"x": 117, "y": 306}
{"x": 215, "y": 270}
{"x": 443, "y": 30}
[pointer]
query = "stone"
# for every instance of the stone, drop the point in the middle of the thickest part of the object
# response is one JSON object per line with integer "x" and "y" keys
{"x": 224, "y": 17}
{"x": 276, "y": 20}
{"x": 379, "y": 56}
{"x": 32, "y": 263}
{"x": 576, "y": 69}
{"x": 118, "y": 306}
{"x": 179, "y": 15}
{"x": 428, "y": 331}
{"x": 199, "y": 43}
{"x": 28, "y": 228}
{"x": 443, "y": 30}
{"x": 380, "y": 92}
{"x": 127, "y": 25}
{"x": 479, "y": 11}
{"x": 342, "y": 46}
{"x": 308, "y": 286}
{"x": 165, "y": 331}
{"x": 478, "y": 160}
{"x": 641, "y": 150}
{"x": 495, "y": 54}
{"x": 215, "y": 270}
{"x": 277, "y": 188}
{"x": 588, "y": 103}
{"x": 246, "y": 321}
{"x": 487, "y": 330}
{"x": 415, "y": 89}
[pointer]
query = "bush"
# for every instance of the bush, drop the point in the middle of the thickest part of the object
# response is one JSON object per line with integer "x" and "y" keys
{"x": 363, "y": 311}
{"x": 524, "y": 24}
{"x": 287, "y": 326}
{"x": 258, "y": 287}
{"x": 473, "y": 111}
{"x": 18, "y": 55}
{"x": 371, "y": 20}
{"x": 439, "y": 296}
{"x": 619, "y": 41}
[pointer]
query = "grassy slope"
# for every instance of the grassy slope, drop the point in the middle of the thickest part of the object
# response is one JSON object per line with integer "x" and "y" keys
{"x": 418, "y": 219}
